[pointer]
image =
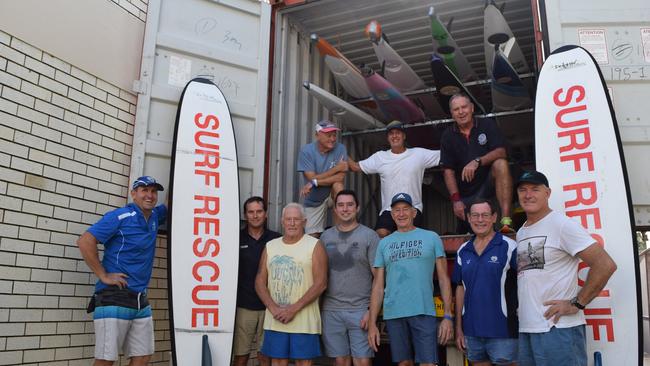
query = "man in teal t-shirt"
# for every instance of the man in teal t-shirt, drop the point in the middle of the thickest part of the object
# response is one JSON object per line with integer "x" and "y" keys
{"x": 405, "y": 262}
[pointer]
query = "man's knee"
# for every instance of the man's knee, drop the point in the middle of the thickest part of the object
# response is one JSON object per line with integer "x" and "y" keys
{"x": 103, "y": 363}
{"x": 382, "y": 232}
{"x": 336, "y": 188}
{"x": 500, "y": 168}
{"x": 139, "y": 360}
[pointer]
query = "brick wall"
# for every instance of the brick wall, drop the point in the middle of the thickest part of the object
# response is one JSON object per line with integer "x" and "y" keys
{"x": 137, "y": 8}
{"x": 65, "y": 149}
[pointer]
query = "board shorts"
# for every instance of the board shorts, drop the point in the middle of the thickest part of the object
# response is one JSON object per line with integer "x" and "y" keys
{"x": 297, "y": 346}
{"x": 317, "y": 216}
{"x": 249, "y": 331}
{"x": 122, "y": 320}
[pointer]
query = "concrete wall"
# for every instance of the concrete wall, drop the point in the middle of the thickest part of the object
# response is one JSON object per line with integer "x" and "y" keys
{"x": 65, "y": 149}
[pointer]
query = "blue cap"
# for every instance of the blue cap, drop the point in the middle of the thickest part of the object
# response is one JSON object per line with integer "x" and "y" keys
{"x": 146, "y": 181}
{"x": 401, "y": 197}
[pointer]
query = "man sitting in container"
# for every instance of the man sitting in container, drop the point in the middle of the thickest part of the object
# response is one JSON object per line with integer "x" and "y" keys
{"x": 405, "y": 262}
{"x": 400, "y": 169}
{"x": 486, "y": 291}
{"x": 291, "y": 276}
{"x": 473, "y": 153}
{"x": 323, "y": 163}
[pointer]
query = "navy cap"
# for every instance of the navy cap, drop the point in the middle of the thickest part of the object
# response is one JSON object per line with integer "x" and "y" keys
{"x": 146, "y": 181}
{"x": 533, "y": 177}
{"x": 401, "y": 197}
{"x": 394, "y": 125}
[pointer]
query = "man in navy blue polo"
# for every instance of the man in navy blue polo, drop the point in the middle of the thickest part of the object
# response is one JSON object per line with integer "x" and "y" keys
{"x": 122, "y": 314}
{"x": 473, "y": 154}
{"x": 486, "y": 278}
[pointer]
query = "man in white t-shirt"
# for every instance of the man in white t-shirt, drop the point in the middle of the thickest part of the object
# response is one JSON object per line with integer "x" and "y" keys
{"x": 549, "y": 247}
{"x": 400, "y": 169}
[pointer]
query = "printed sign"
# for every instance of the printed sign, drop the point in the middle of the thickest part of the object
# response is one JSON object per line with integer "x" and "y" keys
{"x": 593, "y": 40}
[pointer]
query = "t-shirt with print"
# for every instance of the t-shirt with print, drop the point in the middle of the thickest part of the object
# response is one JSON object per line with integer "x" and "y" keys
{"x": 409, "y": 260}
{"x": 311, "y": 159}
{"x": 350, "y": 258}
{"x": 400, "y": 172}
{"x": 547, "y": 269}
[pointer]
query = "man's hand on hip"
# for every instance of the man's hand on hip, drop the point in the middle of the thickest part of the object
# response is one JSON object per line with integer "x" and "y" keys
{"x": 115, "y": 279}
{"x": 558, "y": 308}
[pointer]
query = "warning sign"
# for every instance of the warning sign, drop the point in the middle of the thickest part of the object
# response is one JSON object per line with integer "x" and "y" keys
{"x": 593, "y": 40}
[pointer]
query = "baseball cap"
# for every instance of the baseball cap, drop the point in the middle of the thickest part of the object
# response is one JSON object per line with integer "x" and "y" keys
{"x": 533, "y": 177}
{"x": 394, "y": 125}
{"x": 326, "y": 126}
{"x": 146, "y": 181}
{"x": 401, "y": 197}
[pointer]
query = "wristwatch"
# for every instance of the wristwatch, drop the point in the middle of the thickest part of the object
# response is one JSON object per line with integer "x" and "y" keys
{"x": 575, "y": 303}
{"x": 478, "y": 160}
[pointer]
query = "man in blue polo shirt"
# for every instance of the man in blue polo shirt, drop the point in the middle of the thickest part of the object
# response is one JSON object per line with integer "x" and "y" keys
{"x": 473, "y": 154}
{"x": 486, "y": 279}
{"x": 122, "y": 314}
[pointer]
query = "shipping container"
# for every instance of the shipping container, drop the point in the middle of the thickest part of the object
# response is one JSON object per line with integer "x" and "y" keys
{"x": 260, "y": 55}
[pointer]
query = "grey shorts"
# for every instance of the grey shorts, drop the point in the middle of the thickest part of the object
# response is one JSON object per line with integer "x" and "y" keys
{"x": 343, "y": 335}
{"x": 317, "y": 216}
{"x": 119, "y": 328}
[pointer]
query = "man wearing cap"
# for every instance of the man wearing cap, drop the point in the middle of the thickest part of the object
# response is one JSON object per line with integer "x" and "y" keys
{"x": 400, "y": 169}
{"x": 549, "y": 247}
{"x": 323, "y": 163}
{"x": 405, "y": 263}
{"x": 473, "y": 153}
{"x": 122, "y": 314}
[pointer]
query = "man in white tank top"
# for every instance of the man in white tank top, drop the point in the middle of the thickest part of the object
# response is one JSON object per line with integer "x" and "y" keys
{"x": 291, "y": 277}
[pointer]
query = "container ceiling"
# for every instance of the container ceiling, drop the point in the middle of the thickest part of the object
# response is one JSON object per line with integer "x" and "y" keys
{"x": 407, "y": 27}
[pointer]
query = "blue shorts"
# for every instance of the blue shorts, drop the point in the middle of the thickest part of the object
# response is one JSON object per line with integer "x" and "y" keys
{"x": 343, "y": 335}
{"x": 418, "y": 332}
{"x": 297, "y": 346}
{"x": 558, "y": 346}
{"x": 499, "y": 351}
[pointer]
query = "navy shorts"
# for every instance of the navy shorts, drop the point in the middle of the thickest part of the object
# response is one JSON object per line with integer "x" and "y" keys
{"x": 419, "y": 333}
{"x": 297, "y": 346}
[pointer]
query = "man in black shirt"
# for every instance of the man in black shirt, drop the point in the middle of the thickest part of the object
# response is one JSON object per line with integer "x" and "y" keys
{"x": 473, "y": 154}
{"x": 249, "y": 320}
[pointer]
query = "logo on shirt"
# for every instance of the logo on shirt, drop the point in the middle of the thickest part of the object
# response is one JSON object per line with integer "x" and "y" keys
{"x": 494, "y": 259}
{"x": 468, "y": 261}
{"x": 530, "y": 253}
{"x": 482, "y": 139}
